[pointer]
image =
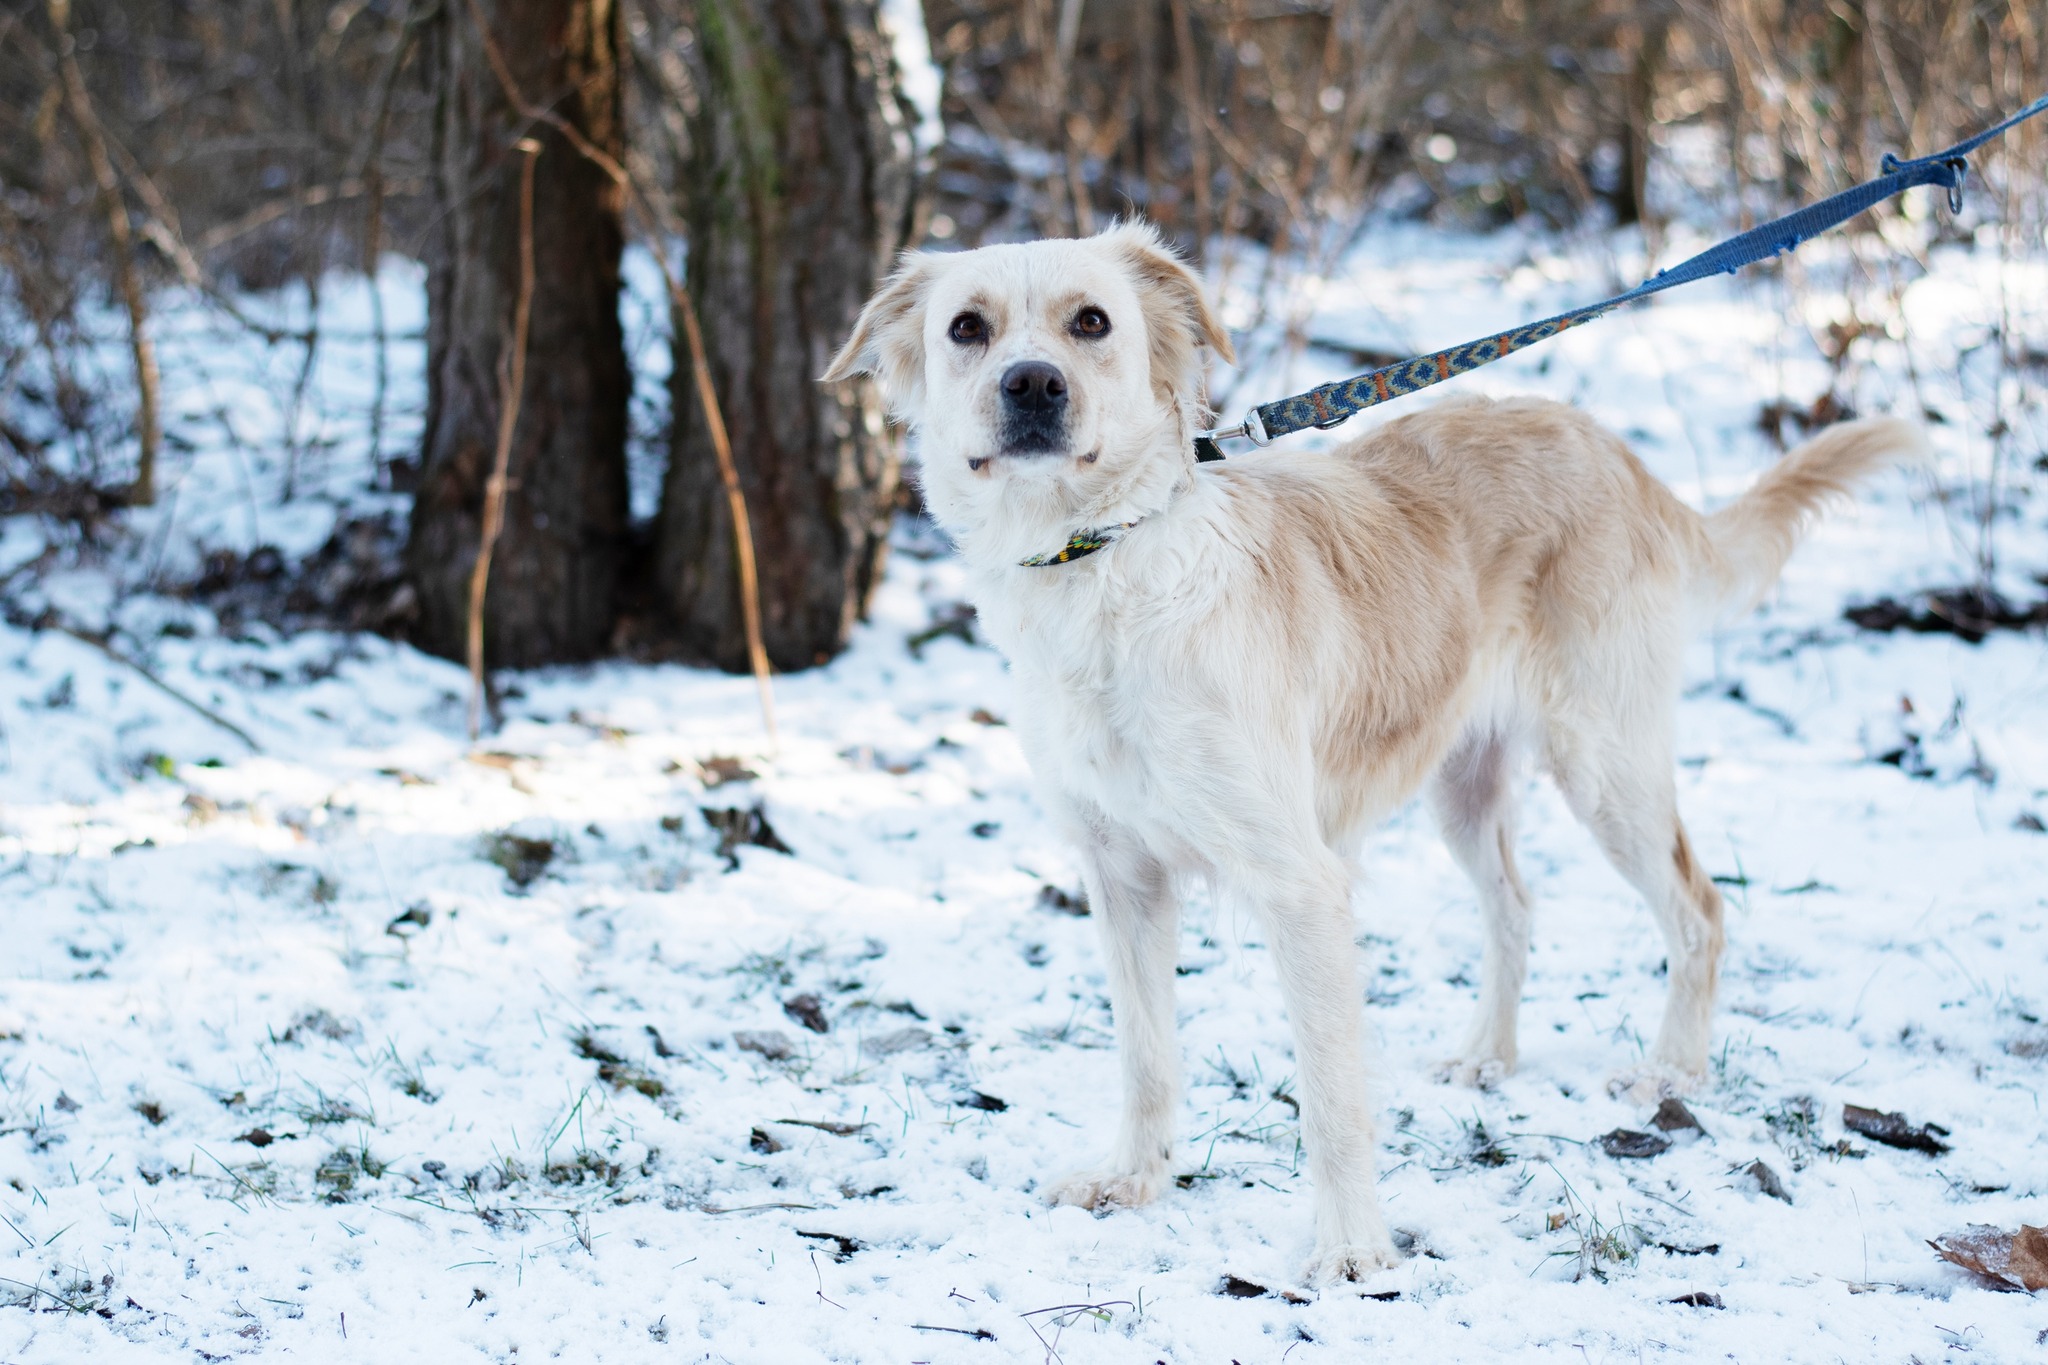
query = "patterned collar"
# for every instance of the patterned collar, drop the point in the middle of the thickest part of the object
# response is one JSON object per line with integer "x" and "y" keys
{"x": 1080, "y": 545}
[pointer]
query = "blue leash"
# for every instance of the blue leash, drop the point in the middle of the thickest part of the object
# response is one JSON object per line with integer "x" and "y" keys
{"x": 1338, "y": 402}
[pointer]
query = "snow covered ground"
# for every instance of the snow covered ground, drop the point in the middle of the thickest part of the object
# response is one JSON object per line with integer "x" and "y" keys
{"x": 370, "y": 1047}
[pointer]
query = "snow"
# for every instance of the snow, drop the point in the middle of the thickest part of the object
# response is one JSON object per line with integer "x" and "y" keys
{"x": 517, "y": 1122}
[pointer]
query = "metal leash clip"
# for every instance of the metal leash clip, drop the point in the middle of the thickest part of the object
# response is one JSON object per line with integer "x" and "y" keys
{"x": 1250, "y": 429}
{"x": 1958, "y": 166}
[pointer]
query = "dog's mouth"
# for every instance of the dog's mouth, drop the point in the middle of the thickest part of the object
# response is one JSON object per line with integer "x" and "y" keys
{"x": 977, "y": 463}
{"x": 1028, "y": 434}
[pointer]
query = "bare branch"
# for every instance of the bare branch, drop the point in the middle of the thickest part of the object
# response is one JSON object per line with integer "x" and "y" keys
{"x": 511, "y": 387}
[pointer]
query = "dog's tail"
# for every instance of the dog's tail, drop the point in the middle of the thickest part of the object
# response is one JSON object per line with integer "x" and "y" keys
{"x": 1750, "y": 539}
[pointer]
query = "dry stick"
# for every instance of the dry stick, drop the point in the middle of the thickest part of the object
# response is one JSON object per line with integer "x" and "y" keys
{"x": 742, "y": 532}
{"x": 312, "y": 197}
{"x": 144, "y": 489}
{"x": 511, "y": 386}
{"x": 661, "y": 226}
{"x": 86, "y": 637}
{"x": 161, "y": 227}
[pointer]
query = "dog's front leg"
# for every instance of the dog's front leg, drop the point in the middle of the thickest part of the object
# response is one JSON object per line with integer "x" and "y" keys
{"x": 1139, "y": 917}
{"x": 1310, "y": 925}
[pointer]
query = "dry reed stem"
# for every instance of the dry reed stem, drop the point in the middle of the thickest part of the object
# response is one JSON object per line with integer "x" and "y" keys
{"x": 662, "y": 225}
{"x": 511, "y": 387}
{"x": 742, "y": 530}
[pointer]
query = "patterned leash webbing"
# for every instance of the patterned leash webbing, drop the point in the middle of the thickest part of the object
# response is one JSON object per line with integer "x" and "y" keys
{"x": 1334, "y": 403}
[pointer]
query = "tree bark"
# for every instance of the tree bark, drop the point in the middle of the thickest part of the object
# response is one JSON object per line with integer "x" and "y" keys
{"x": 802, "y": 190}
{"x": 555, "y": 570}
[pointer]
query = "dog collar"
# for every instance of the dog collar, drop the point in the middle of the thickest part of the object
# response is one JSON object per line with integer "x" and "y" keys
{"x": 1080, "y": 545}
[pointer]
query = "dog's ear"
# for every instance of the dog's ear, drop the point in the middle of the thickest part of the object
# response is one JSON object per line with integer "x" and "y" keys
{"x": 1177, "y": 317}
{"x": 888, "y": 337}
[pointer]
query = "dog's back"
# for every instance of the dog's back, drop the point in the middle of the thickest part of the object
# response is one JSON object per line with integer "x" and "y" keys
{"x": 1537, "y": 585}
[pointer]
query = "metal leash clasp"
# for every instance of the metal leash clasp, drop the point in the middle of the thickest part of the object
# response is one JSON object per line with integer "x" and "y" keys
{"x": 1957, "y": 166}
{"x": 1250, "y": 429}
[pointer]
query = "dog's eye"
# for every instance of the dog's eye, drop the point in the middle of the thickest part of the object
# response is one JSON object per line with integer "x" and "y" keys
{"x": 968, "y": 328}
{"x": 1091, "y": 322}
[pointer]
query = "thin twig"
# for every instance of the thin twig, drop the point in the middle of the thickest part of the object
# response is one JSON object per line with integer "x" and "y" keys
{"x": 80, "y": 103}
{"x": 310, "y": 197}
{"x": 662, "y": 227}
{"x": 511, "y": 386}
{"x": 106, "y": 648}
{"x": 978, "y": 1333}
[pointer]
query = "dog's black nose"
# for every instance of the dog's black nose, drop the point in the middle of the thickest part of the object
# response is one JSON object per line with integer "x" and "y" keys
{"x": 1034, "y": 386}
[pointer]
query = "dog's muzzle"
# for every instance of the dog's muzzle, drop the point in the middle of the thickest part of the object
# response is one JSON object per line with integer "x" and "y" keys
{"x": 1034, "y": 409}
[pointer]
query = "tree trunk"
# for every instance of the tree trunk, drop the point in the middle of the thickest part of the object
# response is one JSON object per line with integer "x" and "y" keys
{"x": 802, "y": 191}
{"x": 555, "y": 567}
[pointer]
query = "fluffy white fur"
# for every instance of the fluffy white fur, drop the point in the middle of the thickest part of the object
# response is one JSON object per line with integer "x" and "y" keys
{"x": 1288, "y": 645}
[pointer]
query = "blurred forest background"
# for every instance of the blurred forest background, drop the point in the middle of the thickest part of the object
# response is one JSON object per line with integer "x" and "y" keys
{"x": 769, "y": 158}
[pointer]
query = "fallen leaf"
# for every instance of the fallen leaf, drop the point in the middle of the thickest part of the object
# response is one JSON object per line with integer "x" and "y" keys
{"x": 1061, "y": 902}
{"x": 2030, "y": 1257}
{"x": 415, "y": 918}
{"x": 808, "y": 1010}
{"x": 720, "y": 769}
{"x": 1629, "y": 1144}
{"x": 1673, "y": 1117}
{"x": 900, "y": 1040}
{"x": 739, "y": 826}
{"x": 1699, "y": 1298}
{"x": 827, "y": 1126}
{"x": 1894, "y": 1130}
{"x": 842, "y": 1247}
{"x": 764, "y": 1142}
{"x": 770, "y": 1043}
{"x": 1766, "y": 1180}
{"x": 1679, "y": 1249}
{"x": 2007, "y": 1260}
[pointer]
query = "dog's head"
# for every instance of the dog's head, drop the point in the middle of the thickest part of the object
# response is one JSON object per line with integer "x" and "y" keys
{"x": 1047, "y": 382}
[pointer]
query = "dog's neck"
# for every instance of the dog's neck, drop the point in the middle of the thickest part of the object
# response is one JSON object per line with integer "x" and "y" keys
{"x": 1004, "y": 518}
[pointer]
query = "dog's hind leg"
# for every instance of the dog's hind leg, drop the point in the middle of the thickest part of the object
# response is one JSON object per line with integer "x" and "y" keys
{"x": 1306, "y": 906}
{"x": 1136, "y": 908}
{"x": 1622, "y": 790}
{"x": 1475, "y": 806}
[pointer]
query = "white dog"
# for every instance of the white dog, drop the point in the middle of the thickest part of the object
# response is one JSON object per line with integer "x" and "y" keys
{"x": 1234, "y": 670}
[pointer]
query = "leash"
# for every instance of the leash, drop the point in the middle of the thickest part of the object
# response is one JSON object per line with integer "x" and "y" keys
{"x": 1327, "y": 406}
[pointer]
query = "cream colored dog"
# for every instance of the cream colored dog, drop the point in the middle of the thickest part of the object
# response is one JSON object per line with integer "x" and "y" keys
{"x": 1270, "y": 654}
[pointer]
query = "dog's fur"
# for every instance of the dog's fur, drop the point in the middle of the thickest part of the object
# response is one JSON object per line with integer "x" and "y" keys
{"x": 1288, "y": 645}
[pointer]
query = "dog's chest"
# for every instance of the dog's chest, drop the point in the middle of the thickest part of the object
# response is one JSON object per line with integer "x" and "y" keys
{"x": 1088, "y": 701}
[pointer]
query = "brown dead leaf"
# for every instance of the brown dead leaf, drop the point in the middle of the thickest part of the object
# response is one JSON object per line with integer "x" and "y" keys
{"x": 720, "y": 769}
{"x": 827, "y": 1126}
{"x": 2030, "y": 1257}
{"x": 1895, "y": 1130}
{"x": 2010, "y": 1260}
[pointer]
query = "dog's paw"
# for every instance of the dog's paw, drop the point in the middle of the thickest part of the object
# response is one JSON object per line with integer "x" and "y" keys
{"x": 1651, "y": 1082}
{"x": 1475, "y": 1072}
{"x": 1339, "y": 1263}
{"x": 1103, "y": 1190}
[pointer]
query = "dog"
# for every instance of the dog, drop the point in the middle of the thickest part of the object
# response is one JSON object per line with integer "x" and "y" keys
{"x": 1233, "y": 671}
